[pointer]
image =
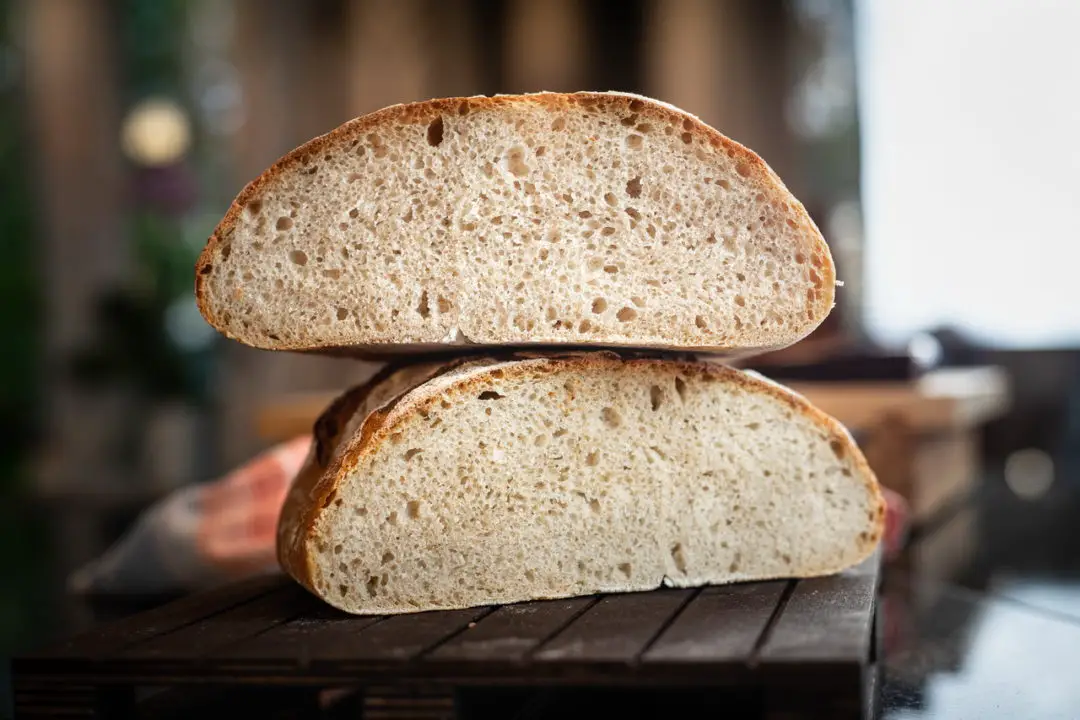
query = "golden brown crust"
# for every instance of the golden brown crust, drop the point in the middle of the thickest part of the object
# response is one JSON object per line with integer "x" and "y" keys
{"x": 407, "y": 398}
{"x": 748, "y": 164}
{"x": 313, "y": 487}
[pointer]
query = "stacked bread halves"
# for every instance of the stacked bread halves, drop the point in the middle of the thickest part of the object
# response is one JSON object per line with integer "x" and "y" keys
{"x": 553, "y": 280}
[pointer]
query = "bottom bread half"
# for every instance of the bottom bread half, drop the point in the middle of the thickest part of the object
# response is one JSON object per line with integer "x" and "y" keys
{"x": 493, "y": 481}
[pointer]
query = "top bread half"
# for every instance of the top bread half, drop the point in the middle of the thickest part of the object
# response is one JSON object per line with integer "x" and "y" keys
{"x": 528, "y": 220}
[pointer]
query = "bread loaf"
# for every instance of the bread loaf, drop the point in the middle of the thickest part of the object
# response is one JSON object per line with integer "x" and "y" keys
{"x": 543, "y": 219}
{"x": 494, "y": 481}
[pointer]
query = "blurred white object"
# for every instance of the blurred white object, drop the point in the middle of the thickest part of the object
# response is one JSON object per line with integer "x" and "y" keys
{"x": 1029, "y": 473}
{"x": 156, "y": 132}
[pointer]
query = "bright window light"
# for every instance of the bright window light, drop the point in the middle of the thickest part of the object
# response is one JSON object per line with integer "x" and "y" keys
{"x": 970, "y": 114}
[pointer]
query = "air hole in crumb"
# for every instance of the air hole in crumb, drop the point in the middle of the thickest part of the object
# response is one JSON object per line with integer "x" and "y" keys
{"x": 422, "y": 307}
{"x": 625, "y": 569}
{"x": 626, "y": 314}
{"x": 226, "y": 251}
{"x": 599, "y": 305}
{"x": 611, "y": 417}
{"x": 687, "y": 138}
{"x": 753, "y": 425}
{"x": 284, "y": 223}
{"x": 372, "y": 585}
{"x": 633, "y": 187}
{"x": 800, "y": 258}
{"x": 413, "y": 509}
{"x": 700, "y": 323}
{"x": 342, "y": 313}
{"x": 743, "y": 169}
{"x": 435, "y": 132}
{"x": 558, "y": 124}
{"x": 679, "y": 556}
{"x": 837, "y": 448}
{"x": 254, "y": 207}
{"x": 489, "y": 395}
{"x": 411, "y": 453}
{"x": 592, "y": 458}
{"x": 530, "y": 576}
{"x": 740, "y": 277}
{"x": 515, "y": 161}
{"x": 611, "y": 269}
{"x": 392, "y": 517}
{"x": 634, "y": 142}
{"x": 338, "y": 548}
{"x": 387, "y": 557}
{"x": 610, "y": 199}
{"x": 740, "y": 301}
{"x": 656, "y": 397}
{"x": 680, "y": 388}
{"x": 443, "y": 304}
{"x": 584, "y": 326}
{"x": 594, "y": 505}
{"x": 298, "y": 257}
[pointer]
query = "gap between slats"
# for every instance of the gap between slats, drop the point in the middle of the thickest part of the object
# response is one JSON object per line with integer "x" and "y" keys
{"x": 770, "y": 625}
{"x": 510, "y": 633}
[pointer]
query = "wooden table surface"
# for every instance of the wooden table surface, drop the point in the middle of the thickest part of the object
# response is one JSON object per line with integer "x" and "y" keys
{"x": 795, "y": 643}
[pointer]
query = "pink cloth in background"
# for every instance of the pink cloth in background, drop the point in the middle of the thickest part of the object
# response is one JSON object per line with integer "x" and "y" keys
{"x": 225, "y": 530}
{"x": 238, "y": 525}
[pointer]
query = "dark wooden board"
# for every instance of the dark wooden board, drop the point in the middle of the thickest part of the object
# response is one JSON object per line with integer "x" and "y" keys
{"x": 616, "y": 629}
{"x": 696, "y": 636}
{"x": 814, "y": 637}
{"x": 113, "y": 637}
{"x": 511, "y": 632}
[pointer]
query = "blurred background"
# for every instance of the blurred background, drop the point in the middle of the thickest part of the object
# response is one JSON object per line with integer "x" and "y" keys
{"x": 932, "y": 140}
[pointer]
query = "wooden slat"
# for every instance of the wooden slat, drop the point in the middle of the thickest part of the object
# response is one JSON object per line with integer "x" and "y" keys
{"x": 295, "y": 642}
{"x": 201, "y": 638}
{"x": 111, "y": 638}
{"x": 721, "y": 624}
{"x": 828, "y": 619}
{"x": 396, "y": 639}
{"x": 512, "y": 631}
{"x": 616, "y": 629}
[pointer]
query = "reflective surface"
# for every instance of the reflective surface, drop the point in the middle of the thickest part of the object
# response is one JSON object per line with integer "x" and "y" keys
{"x": 1003, "y": 639}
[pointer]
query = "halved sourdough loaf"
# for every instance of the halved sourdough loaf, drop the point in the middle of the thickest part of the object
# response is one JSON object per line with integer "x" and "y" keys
{"x": 542, "y": 219}
{"x": 493, "y": 481}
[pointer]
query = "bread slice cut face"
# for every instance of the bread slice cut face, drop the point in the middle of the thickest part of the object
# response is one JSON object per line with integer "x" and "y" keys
{"x": 496, "y": 481}
{"x": 536, "y": 220}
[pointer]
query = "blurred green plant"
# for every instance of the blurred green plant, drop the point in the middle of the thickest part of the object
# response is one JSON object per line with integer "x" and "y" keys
{"x": 131, "y": 343}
